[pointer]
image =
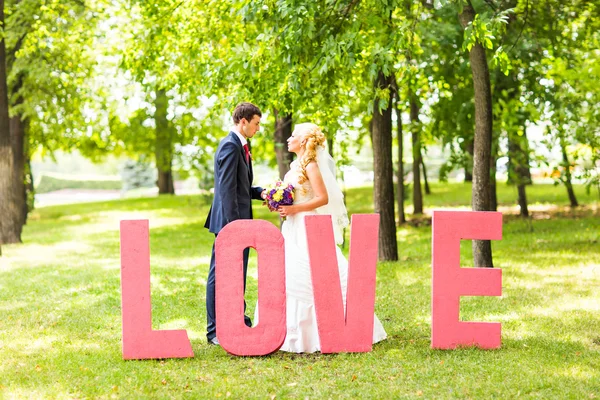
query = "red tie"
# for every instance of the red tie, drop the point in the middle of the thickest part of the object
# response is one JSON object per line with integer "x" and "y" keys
{"x": 247, "y": 153}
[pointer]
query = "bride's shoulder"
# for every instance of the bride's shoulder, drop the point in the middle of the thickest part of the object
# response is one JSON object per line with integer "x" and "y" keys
{"x": 312, "y": 166}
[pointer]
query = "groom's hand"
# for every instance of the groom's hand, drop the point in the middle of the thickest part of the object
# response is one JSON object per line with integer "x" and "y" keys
{"x": 263, "y": 194}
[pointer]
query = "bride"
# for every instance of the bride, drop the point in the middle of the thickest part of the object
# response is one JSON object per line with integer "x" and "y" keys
{"x": 315, "y": 192}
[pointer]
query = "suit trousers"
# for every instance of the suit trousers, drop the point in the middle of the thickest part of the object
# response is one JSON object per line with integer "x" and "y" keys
{"x": 211, "y": 319}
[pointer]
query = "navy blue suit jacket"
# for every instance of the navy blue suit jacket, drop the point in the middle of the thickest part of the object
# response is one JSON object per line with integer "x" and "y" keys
{"x": 233, "y": 185}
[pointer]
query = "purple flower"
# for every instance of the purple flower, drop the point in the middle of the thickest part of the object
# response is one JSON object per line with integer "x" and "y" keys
{"x": 280, "y": 194}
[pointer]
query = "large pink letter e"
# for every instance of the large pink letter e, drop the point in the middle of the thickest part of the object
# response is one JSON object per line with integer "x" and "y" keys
{"x": 450, "y": 281}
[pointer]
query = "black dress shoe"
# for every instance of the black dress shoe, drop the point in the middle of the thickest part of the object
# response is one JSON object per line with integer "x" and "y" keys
{"x": 214, "y": 341}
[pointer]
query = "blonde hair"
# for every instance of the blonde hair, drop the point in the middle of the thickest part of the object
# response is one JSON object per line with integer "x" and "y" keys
{"x": 314, "y": 138}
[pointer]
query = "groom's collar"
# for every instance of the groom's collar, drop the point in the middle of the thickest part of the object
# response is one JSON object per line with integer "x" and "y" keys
{"x": 240, "y": 136}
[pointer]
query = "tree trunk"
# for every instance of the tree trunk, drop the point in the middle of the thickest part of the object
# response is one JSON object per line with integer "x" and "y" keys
{"x": 383, "y": 187}
{"x": 425, "y": 180}
{"x": 524, "y": 168}
{"x": 283, "y": 130}
{"x": 400, "y": 177}
{"x": 492, "y": 189}
{"x": 469, "y": 162}
{"x": 18, "y": 127}
{"x": 416, "y": 153}
{"x": 524, "y": 210}
{"x": 10, "y": 223}
{"x": 482, "y": 144}
{"x": 518, "y": 167}
{"x": 330, "y": 143}
{"x": 567, "y": 180}
{"x": 29, "y": 187}
{"x": 468, "y": 175}
{"x": 164, "y": 144}
{"x": 519, "y": 173}
{"x": 527, "y": 168}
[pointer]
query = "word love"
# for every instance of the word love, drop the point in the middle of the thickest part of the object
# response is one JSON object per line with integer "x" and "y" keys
{"x": 339, "y": 331}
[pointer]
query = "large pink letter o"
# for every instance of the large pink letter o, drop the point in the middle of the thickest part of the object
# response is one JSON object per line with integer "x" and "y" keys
{"x": 235, "y": 337}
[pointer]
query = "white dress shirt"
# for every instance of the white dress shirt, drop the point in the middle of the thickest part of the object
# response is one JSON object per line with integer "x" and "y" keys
{"x": 240, "y": 136}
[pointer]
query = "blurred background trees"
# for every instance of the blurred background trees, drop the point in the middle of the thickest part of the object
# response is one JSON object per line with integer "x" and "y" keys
{"x": 493, "y": 92}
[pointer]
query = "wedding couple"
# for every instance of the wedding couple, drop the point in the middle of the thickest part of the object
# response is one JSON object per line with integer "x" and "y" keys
{"x": 315, "y": 192}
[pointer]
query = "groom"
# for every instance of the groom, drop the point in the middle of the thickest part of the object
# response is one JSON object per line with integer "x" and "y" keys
{"x": 233, "y": 195}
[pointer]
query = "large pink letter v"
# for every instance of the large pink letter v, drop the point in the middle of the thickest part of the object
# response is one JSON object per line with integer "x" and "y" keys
{"x": 352, "y": 332}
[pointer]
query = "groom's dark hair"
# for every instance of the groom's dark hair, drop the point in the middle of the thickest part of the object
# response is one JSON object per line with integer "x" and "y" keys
{"x": 245, "y": 110}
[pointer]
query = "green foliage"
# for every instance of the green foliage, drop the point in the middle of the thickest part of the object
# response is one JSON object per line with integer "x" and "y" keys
{"x": 85, "y": 75}
{"x": 51, "y": 60}
{"x": 477, "y": 32}
{"x": 501, "y": 60}
{"x": 569, "y": 74}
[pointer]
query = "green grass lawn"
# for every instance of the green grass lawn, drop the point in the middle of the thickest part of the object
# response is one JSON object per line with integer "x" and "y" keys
{"x": 60, "y": 329}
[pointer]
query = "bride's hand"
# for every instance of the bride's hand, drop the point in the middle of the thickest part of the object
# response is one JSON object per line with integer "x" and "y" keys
{"x": 286, "y": 211}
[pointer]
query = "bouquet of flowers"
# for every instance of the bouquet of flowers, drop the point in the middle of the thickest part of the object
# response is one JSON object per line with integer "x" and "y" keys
{"x": 279, "y": 194}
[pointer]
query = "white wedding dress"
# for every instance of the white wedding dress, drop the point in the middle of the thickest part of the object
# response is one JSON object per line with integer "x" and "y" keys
{"x": 302, "y": 332}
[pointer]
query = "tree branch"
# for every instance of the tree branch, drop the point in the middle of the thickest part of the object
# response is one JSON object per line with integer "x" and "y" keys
{"x": 336, "y": 29}
{"x": 12, "y": 53}
{"x": 522, "y": 27}
{"x": 172, "y": 10}
{"x": 81, "y": 3}
{"x": 491, "y": 5}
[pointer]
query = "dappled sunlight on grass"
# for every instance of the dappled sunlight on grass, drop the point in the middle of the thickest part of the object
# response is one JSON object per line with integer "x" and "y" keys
{"x": 183, "y": 263}
{"x": 28, "y": 345}
{"x": 33, "y": 394}
{"x": 39, "y": 255}
{"x": 586, "y": 270}
{"x": 577, "y": 303}
{"x": 578, "y": 372}
{"x": 407, "y": 280}
{"x": 174, "y": 324}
